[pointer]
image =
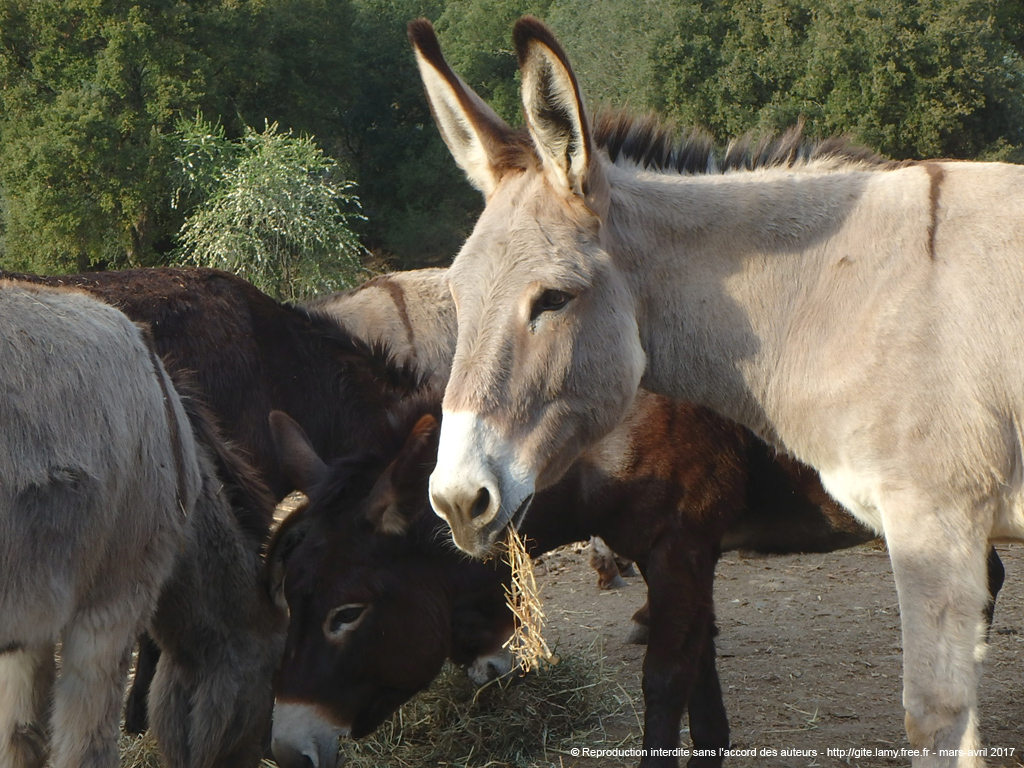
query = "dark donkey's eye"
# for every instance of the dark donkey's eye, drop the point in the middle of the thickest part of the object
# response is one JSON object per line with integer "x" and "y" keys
{"x": 342, "y": 618}
{"x": 549, "y": 301}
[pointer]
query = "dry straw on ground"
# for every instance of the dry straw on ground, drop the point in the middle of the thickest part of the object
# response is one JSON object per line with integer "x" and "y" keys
{"x": 139, "y": 751}
{"x": 516, "y": 722}
{"x": 142, "y": 752}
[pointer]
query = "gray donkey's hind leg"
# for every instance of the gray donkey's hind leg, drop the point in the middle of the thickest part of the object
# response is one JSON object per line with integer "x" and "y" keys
{"x": 90, "y": 690}
{"x": 26, "y": 681}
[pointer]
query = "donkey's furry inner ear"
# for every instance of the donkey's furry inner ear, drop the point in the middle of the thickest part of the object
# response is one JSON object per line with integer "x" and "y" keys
{"x": 295, "y": 453}
{"x": 401, "y": 492}
{"x": 471, "y": 129}
{"x": 555, "y": 115}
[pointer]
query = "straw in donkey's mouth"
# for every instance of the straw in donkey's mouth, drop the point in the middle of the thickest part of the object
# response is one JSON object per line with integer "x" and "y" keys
{"x": 527, "y": 643}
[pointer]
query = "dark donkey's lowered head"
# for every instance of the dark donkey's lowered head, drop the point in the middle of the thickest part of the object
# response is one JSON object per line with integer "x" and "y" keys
{"x": 377, "y": 571}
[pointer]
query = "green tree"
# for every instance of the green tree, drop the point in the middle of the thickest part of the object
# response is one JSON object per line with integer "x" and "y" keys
{"x": 274, "y": 210}
{"x": 476, "y": 36}
{"x": 610, "y": 44}
{"x": 81, "y": 91}
{"x": 909, "y": 78}
{"x": 418, "y": 206}
{"x": 89, "y": 89}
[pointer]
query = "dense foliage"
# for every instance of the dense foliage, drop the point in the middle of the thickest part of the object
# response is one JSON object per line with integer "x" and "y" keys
{"x": 271, "y": 209}
{"x": 92, "y": 92}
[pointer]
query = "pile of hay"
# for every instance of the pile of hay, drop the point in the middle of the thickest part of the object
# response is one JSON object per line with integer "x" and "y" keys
{"x": 524, "y": 722}
{"x": 138, "y": 751}
{"x": 142, "y": 752}
{"x": 512, "y": 723}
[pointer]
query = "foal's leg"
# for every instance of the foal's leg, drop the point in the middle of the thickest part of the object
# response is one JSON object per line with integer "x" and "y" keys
{"x": 90, "y": 690}
{"x": 938, "y": 560}
{"x": 136, "y": 709}
{"x": 170, "y": 711}
{"x": 26, "y": 679}
{"x": 709, "y": 724}
{"x": 680, "y": 579}
{"x": 603, "y": 560}
{"x": 640, "y": 629}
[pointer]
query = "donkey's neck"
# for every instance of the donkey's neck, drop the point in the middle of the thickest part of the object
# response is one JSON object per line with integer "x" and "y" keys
{"x": 722, "y": 268}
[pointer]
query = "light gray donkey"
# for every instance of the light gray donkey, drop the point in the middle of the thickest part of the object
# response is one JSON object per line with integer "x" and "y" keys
{"x": 97, "y": 474}
{"x": 99, "y": 463}
{"x": 863, "y": 316}
{"x": 413, "y": 314}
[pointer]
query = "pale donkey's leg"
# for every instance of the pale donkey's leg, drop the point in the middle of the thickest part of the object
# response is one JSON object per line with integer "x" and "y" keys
{"x": 939, "y": 563}
{"x": 26, "y": 681}
{"x": 89, "y": 692}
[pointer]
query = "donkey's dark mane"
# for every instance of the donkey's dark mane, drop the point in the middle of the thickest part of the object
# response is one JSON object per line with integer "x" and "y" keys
{"x": 402, "y": 375}
{"x": 657, "y": 144}
{"x": 251, "y": 501}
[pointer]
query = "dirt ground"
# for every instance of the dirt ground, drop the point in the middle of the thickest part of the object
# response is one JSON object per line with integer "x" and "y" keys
{"x": 809, "y": 655}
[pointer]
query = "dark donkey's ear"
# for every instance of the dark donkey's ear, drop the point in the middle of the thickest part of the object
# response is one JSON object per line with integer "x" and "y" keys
{"x": 401, "y": 491}
{"x": 283, "y": 543}
{"x": 295, "y": 452}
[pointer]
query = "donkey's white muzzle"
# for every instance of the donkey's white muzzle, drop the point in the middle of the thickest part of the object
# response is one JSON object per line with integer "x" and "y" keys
{"x": 304, "y": 739}
{"x": 478, "y": 485}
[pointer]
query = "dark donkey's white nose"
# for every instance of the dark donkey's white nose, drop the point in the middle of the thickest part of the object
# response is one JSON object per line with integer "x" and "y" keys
{"x": 303, "y": 739}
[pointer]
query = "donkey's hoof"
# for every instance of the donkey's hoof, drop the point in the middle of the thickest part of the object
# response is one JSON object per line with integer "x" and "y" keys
{"x": 639, "y": 634}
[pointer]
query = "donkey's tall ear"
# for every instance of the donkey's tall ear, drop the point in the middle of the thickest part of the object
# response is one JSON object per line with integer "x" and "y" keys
{"x": 471, "y": 129}
{"x": 555, "y": 115}
{"x": 295, "y": 453}
{"x": 401, "y": 492}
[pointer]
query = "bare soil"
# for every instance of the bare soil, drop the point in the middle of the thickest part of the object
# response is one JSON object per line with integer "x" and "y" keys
{"x": 809, "y": 655}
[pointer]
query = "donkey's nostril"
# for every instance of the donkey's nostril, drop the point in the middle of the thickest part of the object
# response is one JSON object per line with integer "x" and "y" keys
{"x": 288, "y": 756}
{"x": 481, "y": 504}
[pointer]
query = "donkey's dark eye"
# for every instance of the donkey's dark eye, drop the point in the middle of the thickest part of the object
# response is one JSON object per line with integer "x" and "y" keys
{"x": 549, "y": 301}
{"x": 340, "y": 618}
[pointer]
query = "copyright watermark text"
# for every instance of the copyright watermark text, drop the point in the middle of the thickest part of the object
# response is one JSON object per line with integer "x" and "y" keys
{"x": 836, "y": 752}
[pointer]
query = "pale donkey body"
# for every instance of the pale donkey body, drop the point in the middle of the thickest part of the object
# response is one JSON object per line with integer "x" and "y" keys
{"x": 409, "y": 312}
{"x": 864, "y": 316}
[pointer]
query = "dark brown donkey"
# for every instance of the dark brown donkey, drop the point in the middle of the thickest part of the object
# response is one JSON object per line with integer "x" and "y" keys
{"x": 246, "y": 354}
{"x": 378, "y": 596}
